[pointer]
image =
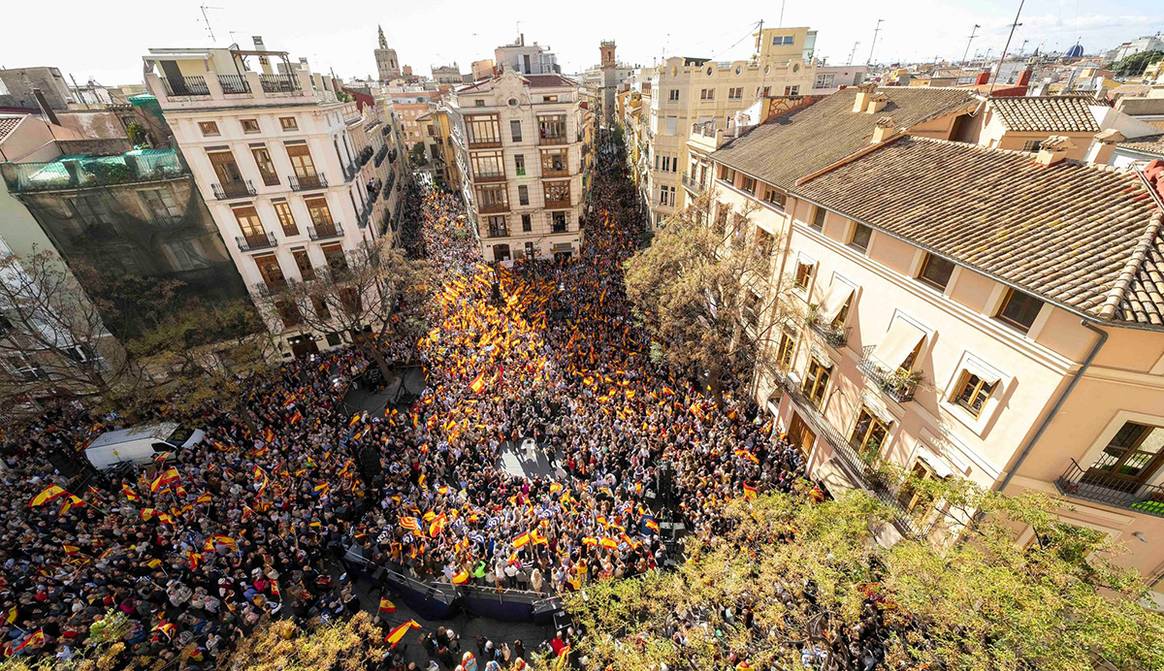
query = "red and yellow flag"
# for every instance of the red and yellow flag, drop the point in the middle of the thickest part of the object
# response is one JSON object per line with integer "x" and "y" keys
{"x": 130, "y": 495}
{"x": 749, "y": 491}
{"x": 399, "y": 631}
{"x": 461, "y": 578}
{"x": 478, "y": 384}
{"x": 47, "y": 495}
{"x": 165, "y": 479}
{"x": 386, "y": 606}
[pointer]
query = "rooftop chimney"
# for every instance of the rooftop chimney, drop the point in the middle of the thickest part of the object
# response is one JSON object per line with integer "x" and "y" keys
{"x": 1104, "y": 146}
{"x": 264, "y": 62}
{"x": 884, "y": 130}
{"x": 864, "y": 92}
{"x": 1024, "y": 78}
{"x": 982, "y": 78}
{"x": 1053, "y": 150}
{"x": 877, "y": 102}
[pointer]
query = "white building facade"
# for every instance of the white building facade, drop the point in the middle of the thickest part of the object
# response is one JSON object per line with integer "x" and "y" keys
{"x": 520, "y": 149}
{"x": 295, "y": 179}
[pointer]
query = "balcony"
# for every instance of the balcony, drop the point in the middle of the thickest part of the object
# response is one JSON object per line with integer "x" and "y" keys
{"x": 551, "y": 170}
{"x": 836, "y": 336}
{"x": 897, "y": 384}
{"x": 350, "y": 171}
{"x": 140, "y": 165}
{"x": 279, "y": 84}
{"x": 234, "y": 84}
{"x": 558, "y": 203}
{"x": 860, "y": 468}
{"x": 229, "y": 190}
{"x": 493, "y": 208}
{"x": 254, "y": 243}
{"x": 545, "y": 139}
{"x": 489, "y": 177}
{"x": 308, "y": 182}
{"x": 364, "y": 156}
{"x": 693, "y": 185}
{"x": 498, "y": 232}
{"x": 325, "y": 231}
{"x": 1104, "y": 486}
{"x": 381, "y": 155}
{"x": 189, "y": 85}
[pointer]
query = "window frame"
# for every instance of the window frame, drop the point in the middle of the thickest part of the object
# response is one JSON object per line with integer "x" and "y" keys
{"x": 928, "y": 281}
{"x": 816, "y": 381}
{"x": 858, "y": 227}
{"x": 979, "y": 391}
{"x": 1000, "y": 315}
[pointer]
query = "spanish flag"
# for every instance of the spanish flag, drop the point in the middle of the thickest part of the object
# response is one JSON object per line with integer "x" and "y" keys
{"x": 749, "y": 491}
{"x": 437, "y": 525}
{"x": 555, "y": 487}
{"x": 323, "y": 488}
{"x": 747, "y": 455}
{"x": 35, "y": 641}
{"x": 130, "y": 495}
{"x": 589, "y": 541}
{"x": 297, "y": 417}
{"x": 165, "y": 479}
{"x": 70, "y": 549}
{"x": 478, "y": 383}
{"x": 47, "y": 495}
{"x": 609, "y": 543}
{"x": 522, "y": 540}
{"x": 204, "y": 498}
{"x": 219, "y": 539}
{"x": 650, "y": 523}
{"x": 386, "y": 606}
{"x": 167, "y": 628}
{"x": 461, "y": 578}
{"x": 399, "y": 631}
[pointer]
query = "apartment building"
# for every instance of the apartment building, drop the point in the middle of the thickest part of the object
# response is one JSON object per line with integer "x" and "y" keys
{"x": 957, "y": 311}
{"x": 411, "y": 104}
{"x": 440, "y": 155}
{"x": 287, "y": 169}
{"x": 687, "y": 91}
{"x": 526, "y": 59}
{"x": 521, "y": 152}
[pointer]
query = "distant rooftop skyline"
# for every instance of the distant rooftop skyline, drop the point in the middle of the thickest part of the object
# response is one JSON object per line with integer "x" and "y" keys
{"x": 107, "y": 45}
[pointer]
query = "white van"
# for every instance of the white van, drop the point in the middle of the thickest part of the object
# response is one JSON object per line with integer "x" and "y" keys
{"x": 140, "y": 444}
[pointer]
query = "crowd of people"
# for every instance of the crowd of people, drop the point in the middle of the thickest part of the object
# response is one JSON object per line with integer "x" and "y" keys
{"x": 208, "y": 543}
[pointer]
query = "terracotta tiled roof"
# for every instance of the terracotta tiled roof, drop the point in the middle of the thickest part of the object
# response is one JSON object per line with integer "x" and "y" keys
{"x": 8, "y": 124}
{"x": 549, "y": 81}
{"x": 1039, "y": 114}
{"x": 1149, "y": 144}
{"x": 809, "y": 138}
{"x": 1086, "y": 237}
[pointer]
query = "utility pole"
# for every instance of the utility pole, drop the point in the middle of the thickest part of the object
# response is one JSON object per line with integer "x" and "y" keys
{"x": 1002, "y": 58}
{"x": 973, "y": 33}
{"x": 781, "y": 24}
{"x": 1023, "y": 48}
{"x": 852, "y": 52}
{"x": 876, "y": 30}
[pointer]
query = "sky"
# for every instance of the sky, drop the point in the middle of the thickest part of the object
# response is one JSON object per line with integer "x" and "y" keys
{"x": 105, "y": 42}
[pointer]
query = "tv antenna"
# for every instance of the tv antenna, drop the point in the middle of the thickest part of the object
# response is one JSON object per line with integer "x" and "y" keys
{"x": 206, "y": 21}
{"x": 1002, "y": 56}
{"x": 973, "y": 34}
{"x": 876, "y": 30}
{"x": 852, "y": 52}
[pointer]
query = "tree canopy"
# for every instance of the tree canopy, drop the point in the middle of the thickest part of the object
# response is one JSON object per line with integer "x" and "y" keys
{"x": 796, "y": 580}
{"x": 1130, "y": 66}
{"x": 705, "y": 293}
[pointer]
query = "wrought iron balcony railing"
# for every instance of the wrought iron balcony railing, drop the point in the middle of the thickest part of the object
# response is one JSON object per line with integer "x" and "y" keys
{"x": 251, "y": 243}
{"x": 323, "y": 231}
{"x": 306, "y": 182}
{"x": 897, "y": 384}
{"x": 234, "y": 84}
{"x": 836, "y": 336}
{"x": 228, "y": 190}
{"x": 188, "y": 85}
{"x": 1103, "y": 485}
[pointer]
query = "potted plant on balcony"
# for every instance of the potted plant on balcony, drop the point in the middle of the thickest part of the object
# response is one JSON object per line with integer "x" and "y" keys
{"x": 899, "y": 384}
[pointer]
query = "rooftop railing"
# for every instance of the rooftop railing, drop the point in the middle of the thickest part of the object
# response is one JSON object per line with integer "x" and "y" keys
{"x": 85, "y": 172}
{"x": 279, "y": 83}
{"x": 188, "y": 85}
{"x": 234, "y": 84}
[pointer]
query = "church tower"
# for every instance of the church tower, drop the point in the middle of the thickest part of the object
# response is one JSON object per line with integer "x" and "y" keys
{"x": 387, "y": 65}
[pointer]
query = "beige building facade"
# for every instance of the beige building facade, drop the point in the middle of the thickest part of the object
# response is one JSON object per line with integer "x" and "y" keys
{"x": 521, "y": 143}
{"x": 689, "y": 91}
{"x": 944, "y": 321}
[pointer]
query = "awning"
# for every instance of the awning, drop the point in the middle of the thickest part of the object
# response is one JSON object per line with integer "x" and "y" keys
{"x": 901, "y": 340}
{"x": 981, "y": 371}
{"x": 834, "y": 301}
{"x": 936, "y": 462}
